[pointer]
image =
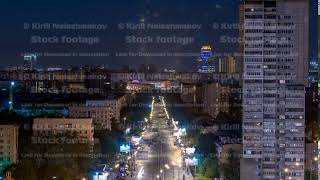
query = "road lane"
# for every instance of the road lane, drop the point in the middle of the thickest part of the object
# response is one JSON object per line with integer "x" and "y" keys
{"x": 164, "y": 159}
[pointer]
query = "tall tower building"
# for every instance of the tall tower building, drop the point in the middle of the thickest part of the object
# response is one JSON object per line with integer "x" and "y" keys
{"x": 227, "y": 65}
{"x": 275, "y": 66}
{"x": 29, "y": 61}
{"x": 205, "y": 61}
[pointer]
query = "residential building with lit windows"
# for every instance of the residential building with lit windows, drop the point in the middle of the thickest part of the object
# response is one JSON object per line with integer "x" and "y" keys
{"x": 275, "y": 66}
{"x": 101, "y": 111}
{"x": 100, "y": 114}
{"x": 8, "y": 145}
{"x": 81, "y": 127}
{"x": 114, "y": 104}
{"x": 227, "y": 65}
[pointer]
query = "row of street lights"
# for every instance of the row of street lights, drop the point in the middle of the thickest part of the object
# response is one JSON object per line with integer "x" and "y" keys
{"x": 135, "y": 141}
{"x": 187, "y": 152}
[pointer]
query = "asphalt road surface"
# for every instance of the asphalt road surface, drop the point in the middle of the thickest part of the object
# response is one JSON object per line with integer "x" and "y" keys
{"x": 164, "y": 158}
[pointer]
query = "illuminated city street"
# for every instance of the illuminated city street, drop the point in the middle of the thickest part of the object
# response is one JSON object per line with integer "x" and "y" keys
{"x": 165, "y": 160}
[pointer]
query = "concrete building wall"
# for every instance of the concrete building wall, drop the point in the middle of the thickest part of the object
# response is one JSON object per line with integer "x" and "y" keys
{"x": 83, "y": 127}
{"x": 216, "y": 99}
{"x": 101, "y": 115}
{"x": 8, "y": 145}
{"x": 274, "y": 76}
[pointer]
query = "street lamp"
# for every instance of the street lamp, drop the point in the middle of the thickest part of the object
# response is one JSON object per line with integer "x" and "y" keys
{"x": 311, "y": 165}
{"x": 173, "y": 169}
{"x": 161, "y": 172}
{"x": 124, "y": 120}
{"x": 195, "y": 160}
{"x": 12, "y": 84}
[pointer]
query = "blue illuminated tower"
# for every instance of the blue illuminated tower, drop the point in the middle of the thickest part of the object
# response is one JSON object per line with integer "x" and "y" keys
{"x": 29, "y": 61}
{"x": 205, "y": 61}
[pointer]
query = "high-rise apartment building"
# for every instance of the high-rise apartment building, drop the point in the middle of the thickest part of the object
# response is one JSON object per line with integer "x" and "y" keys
{"x": 275, "y": 66}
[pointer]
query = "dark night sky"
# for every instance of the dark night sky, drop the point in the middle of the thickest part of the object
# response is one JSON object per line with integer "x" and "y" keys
{"x": 14, "y": 40}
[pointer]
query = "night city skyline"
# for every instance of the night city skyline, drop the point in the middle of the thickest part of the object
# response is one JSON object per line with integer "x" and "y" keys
{"x": 16, "y": 40}
{"x": 168, "y": 90}
{"x": 14, "y": 16}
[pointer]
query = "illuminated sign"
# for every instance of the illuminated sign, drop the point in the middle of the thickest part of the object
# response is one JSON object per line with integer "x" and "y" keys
{"x": 135, "y": 140}
{"x": 125, "y": 148}
{"x": 190, "y": 150}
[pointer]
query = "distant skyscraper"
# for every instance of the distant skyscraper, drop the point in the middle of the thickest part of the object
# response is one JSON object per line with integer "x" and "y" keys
{"x": 227, "y": 65}
{"x": 275, "y": 67}
{"x": 313, "y": 71}
{"x": 205, "y": 61}
{"x": 29, "y": 61}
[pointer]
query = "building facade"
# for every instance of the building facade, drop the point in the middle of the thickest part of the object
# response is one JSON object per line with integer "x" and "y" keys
{"x": 216, "y": 99}
{"x": 8, "y": 145}
{"x": 81, "y": 127}
{"x": 227, "y": 65}
{"x": 115, "y": 104}
{"x": 101, "y": 115}
{"x": 275, "y": 60}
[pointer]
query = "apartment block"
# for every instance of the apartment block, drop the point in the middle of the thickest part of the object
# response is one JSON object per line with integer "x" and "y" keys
{"x": 275, "y": 63}
{"x": 81, "y": 127}
{"x": 8, "y": 145}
